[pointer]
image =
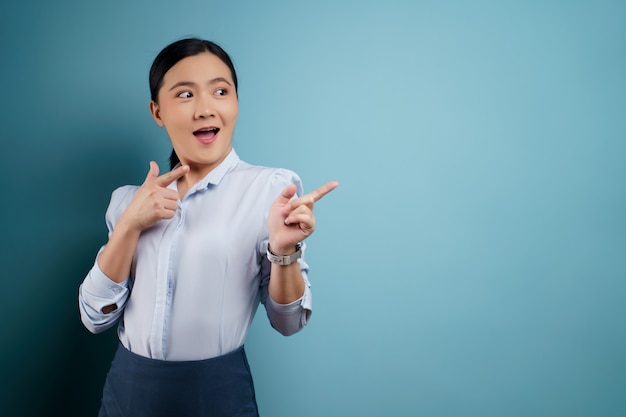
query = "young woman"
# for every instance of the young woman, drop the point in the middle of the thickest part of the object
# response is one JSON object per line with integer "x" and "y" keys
{"x": 192, "y": 252}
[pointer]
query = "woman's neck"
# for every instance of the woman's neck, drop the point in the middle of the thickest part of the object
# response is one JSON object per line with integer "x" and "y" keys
{"x": 196, "y": 173}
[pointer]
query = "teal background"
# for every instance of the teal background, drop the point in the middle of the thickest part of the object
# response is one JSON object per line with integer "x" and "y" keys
{"x": 472, "y": 262}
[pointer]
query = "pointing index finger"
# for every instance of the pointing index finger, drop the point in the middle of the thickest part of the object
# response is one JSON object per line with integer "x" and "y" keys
{"x": 317, "y": 194}
{"x": 323, "y": 190}
{"x": 169, "y": 177}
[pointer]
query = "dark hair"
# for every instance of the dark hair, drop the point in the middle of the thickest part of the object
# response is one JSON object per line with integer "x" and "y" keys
{"x": 174, "y": 52}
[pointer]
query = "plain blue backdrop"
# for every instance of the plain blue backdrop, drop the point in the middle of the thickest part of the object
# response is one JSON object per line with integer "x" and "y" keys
{"x": 472, "y": 261}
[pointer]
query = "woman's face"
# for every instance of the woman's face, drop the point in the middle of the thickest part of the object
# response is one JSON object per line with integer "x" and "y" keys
{"x": 197, "y": 106}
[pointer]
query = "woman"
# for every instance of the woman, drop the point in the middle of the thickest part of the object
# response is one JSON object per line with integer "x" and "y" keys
{"x": 192, "y": 252}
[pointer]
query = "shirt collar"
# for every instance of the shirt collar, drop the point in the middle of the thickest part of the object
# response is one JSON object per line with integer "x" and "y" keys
{"x": 215, "y": 176}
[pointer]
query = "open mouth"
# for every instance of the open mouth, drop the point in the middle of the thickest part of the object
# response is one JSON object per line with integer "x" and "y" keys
{"x": 206, "y": 134}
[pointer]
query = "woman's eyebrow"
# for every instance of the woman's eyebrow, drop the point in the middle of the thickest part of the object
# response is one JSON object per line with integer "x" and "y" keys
{"x": 219, "y": 80}
{"x": 183, "y": 84}
{"x": 193, "y": 84}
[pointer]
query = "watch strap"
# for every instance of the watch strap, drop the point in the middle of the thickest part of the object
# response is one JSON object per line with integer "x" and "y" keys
{"x": 284, "y": 259}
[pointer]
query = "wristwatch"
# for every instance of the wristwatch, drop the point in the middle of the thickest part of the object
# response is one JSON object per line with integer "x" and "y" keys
{"x": 284, "y": 259}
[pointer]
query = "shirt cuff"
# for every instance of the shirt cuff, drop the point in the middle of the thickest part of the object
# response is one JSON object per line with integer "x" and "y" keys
{"x": 285, "y": 309}
{"x": 97, "y": 292}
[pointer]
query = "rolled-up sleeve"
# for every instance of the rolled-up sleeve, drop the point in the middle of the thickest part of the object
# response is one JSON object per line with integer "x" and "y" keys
{"x": 96, "y": 292}
{"x": 289, "y": 318}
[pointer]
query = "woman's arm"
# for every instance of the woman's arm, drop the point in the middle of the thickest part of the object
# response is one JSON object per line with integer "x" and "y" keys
{"x": 104, "y": 291}
{"x": 287, "y": 318}
{"x": 289, "y": 223}
{"x": 286, "y": 283}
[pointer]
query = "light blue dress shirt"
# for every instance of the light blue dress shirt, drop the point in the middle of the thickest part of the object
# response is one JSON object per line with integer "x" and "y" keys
{"x": 196, "y": 279}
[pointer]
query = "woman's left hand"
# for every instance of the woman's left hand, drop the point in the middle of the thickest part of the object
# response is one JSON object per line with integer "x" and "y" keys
{"x": 290, "y": 222}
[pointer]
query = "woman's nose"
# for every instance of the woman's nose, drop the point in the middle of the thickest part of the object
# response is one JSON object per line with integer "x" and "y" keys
{"x": 204, "y": 109}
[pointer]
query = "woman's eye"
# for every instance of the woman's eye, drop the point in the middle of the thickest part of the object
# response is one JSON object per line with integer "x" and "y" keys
{"x": 185, "y": 94}
{"x": 220, "y": 92}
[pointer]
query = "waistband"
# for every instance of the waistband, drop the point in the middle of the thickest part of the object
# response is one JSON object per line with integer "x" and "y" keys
{"x": 126, "y": 354}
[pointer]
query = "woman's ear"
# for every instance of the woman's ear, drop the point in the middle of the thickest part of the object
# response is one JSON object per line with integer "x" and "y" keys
{"x": 156, "y": 114}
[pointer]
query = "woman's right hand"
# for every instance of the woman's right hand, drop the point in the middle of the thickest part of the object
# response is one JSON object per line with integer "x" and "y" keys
{"x": 153, "y": 201}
